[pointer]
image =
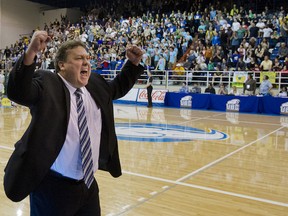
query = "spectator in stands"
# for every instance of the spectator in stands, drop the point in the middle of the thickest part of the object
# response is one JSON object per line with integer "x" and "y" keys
{"x": 184, "y": 88}
{"x": 261, "y": 24}
{"x": 217, "y": 74}
{"x": 210, "y": 89}
{"x": 277, "y": 66}
{"x": 195, "y": 88}
{"x": 83, "y": 37}
{"x": 217, "y": 57}
{"x": 267, "y": 31}
{"x": 210, "y": 66}
{"x": 197, "y": 17}
{"x": 251, "y": 14}
{"x": 209, "y": 35}
{"x": 283, "y": 92}
{"x": 172, "y": 57}
{"x": 235, "y": 25}
{"x": 274, "y": 39}
{"x": 259, "y": 53}
{"x": 241, "y": 33}
{"x": 208, "y": 53}
{"x": 284, "y": 29}
{"x": 213, "y": 13}
{"x": 255, "y": 67}
{"x": 201, "y": 61}
{"x": 179, "y": 72}
{"x": 225, "y": 40}
{"x": 235, "y": 58}
{"x": 192, "y": 55}
{"x": 187, "y": 64}
{"x": 201, "y": 36}
{"x": 265, "y": 86}
{"x": 235, "y": 42}
{"x": 266, "y": 64}
{"x": 161, "y": 65}
{"x": 202, "y": 27}
{"x": 283, "y": 51}
{"x": 253, "y": 30}
{"x": 222, "y": 90}
{"x": 240, "y": 66}
{"x": 249, "y": 87}
{"x": 275, "y": 23}
{"x": 224, "y": 67}
{"x": 241, "y": 50}
{"x": 234, "y": 91}
{"x": 285, "y": 63}
{"x": 215, "y": 39}
{"x": 234, "y": 11}
{"x": 7, "y": 52}
{"x": 265, "y": 45}
{"x": 248, "y": 60}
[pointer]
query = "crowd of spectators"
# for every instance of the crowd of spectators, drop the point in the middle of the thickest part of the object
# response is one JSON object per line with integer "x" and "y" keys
{"x": 212, "y": 38}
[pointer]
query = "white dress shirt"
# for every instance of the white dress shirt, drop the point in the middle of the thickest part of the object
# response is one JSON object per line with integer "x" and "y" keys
{"x": 69, "y": 162}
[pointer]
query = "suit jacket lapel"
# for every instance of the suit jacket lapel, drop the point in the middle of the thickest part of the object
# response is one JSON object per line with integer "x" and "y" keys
{"x": 67, "y": 99}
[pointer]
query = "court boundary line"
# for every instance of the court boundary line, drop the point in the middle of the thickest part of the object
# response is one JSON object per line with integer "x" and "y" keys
{"x": 19, "y": 129}
{"x": 196, "y": 119}
{"x": 7, "y": 148}
{"x": 225, "y": 156}
{"x": 243, "y": 196}
{"x": 247, "y": 122}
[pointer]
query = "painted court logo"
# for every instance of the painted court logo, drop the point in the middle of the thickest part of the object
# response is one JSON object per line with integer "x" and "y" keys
{"x": 284, "y": 108}
{"x": 164, "y": 133}
{"x": 233, "y": 105}
{"x": 186, "y": 102}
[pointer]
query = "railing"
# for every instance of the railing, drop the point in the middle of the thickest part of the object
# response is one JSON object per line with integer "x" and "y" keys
{"x": 172, "y": 79}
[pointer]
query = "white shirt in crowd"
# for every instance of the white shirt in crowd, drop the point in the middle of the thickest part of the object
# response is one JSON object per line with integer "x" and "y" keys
{"x": 267, "y": 32}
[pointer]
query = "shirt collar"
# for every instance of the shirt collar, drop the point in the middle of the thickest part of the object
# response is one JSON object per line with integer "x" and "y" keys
{"x": 69, "y": 86}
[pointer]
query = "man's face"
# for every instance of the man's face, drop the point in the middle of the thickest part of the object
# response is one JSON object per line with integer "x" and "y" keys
{"x": 77, "y": 69}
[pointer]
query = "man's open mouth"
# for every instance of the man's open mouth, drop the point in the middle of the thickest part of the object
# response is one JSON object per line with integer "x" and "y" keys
{"x": 84, "y": 72}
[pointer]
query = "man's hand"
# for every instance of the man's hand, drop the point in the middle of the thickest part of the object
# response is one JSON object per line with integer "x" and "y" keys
{"x": 134, "y": 54}
{"x": 37, "y": 44}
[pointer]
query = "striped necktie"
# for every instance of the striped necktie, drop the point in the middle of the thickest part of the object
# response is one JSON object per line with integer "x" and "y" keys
{"x": 85, "y": 143}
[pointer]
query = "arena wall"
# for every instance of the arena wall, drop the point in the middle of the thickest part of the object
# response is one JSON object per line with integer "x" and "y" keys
{"x": 18, "y": 17}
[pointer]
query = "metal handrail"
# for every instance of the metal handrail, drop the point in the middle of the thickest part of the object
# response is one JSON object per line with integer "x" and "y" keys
{"x": 169, "y": 78}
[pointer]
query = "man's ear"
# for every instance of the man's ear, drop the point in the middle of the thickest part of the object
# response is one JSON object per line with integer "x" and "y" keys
{"x": 61, "y": 65}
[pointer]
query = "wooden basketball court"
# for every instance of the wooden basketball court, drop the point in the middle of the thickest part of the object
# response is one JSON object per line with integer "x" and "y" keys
{"x": 182, "y": 162}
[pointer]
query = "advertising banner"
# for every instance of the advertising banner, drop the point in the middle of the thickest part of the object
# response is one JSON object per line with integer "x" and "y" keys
{"x": 158, "y": 95}
{"x": 271, "y": 75}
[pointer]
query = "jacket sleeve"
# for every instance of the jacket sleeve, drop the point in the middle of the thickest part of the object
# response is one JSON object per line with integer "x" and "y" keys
{"x": 125, "y": 80}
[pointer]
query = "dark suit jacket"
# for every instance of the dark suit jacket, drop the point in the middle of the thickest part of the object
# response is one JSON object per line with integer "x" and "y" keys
{"x": 49, "y": 101}
{"x": 252, "y": 86}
